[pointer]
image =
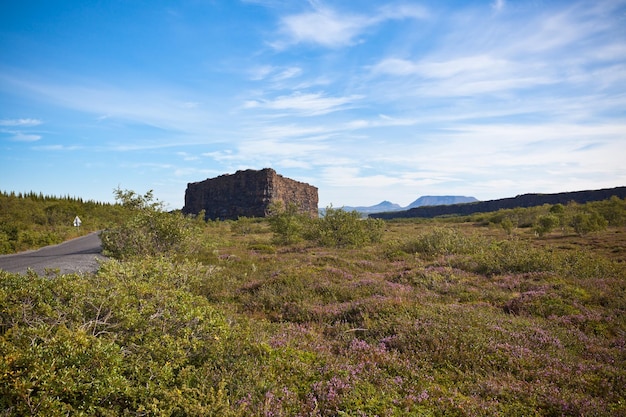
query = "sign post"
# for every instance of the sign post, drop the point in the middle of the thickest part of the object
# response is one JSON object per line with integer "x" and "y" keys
{"x": 77, "y": 222}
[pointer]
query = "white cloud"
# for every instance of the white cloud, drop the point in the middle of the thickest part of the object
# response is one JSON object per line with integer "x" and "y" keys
{"x": 465, "y": 76}
{"x": 290, "y": 163}
{"x": 187, "y": 156}
{"x": 25, "y": 137}
{"x": 381, "y": 121}
{"x": 479, "y": 64}
{"x": 323, "y": 26}
{"x": 157, "y": 106}
{"x": 221, "y": 156}
{"x": 305, "y": 104}
{"x": 57, "y": 147}
{"x": 281, "y": 148}
{"x": 329, "y": 28}
{"x": 20, "y": 122}
{"x": 274, "y": 73}
{"x": 260, "y": 72}
{"x": 351, "y": 177}
{"x": 290, "y": 131}
{"x": 288, "y": 73}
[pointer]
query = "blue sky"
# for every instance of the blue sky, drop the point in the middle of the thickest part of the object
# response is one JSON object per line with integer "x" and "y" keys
{"x": 367, "y": 100}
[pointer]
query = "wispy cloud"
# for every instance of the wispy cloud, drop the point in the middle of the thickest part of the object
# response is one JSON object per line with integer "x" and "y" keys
{"x": 57, "y": 147}
{"x": 322, "y": 26}
{"x": 187, "y": 156}
{"x": 330, "y": 28}
{"x": 157, "y": 106}
{"x": 273, "y": 73}
{"x": 305, "y": 104}
{"x": 442, "y": 69}
{"x": 20, "y": 135}
{"x": 25, "y": 137}
{"x": 20, "y": 122}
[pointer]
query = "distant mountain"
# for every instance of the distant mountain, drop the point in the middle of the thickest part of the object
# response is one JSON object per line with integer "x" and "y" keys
{"x": 440, "y": 200}
{"x": 428, "y": 200}
{"x": 383, "y": 206}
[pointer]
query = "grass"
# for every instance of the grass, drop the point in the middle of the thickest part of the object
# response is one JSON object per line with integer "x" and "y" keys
{"x": 438, "y": 319}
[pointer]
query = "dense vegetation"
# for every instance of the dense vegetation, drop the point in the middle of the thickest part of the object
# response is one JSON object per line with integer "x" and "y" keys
{"x": 496, "y": 314}
{"x": 32, "y": 220}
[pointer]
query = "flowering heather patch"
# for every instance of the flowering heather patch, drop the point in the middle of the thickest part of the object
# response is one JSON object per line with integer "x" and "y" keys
{"x": 438, "y": 326}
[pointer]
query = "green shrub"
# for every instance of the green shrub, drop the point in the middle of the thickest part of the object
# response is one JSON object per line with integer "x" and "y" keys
{"x": 613, "y": 210}
{"x": 443, "y": 241}
{"x": 588, "y": 222}
{"x": 148, "y": 230}
{"x": 131, "y": 340}
{"x": 9, "y": 238}
{"x": 546, "y": 223}
{"x": 515, "y": 256}
{"x": 287, "y": 223}
{"x": 340, "y": 228}
{"x": 507, "y": 226}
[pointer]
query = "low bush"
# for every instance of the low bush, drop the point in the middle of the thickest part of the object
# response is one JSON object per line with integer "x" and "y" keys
{"x": 588, "y": 222}
{"x": 337, "y": 227}
{"x": 515, "y": 256}
{"x": 148, "y": 230}
{"x": 546, "y": 223}
{"x": 340, "y": 228}
{"x": 287, "y": 223}
{"x": 132, "y": 339}
{"x": 443, "y": 241}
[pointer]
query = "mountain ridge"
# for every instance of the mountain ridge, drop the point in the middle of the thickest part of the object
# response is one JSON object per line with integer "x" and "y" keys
{"x": 522, "y": 200}
{"x": 427, "y": 200}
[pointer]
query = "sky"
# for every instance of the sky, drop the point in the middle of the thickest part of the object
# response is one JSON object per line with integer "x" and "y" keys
{"x": 367, "y": 100}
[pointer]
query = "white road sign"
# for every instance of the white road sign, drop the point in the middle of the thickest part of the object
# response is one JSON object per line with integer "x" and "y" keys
{"x": 77, "y": 221}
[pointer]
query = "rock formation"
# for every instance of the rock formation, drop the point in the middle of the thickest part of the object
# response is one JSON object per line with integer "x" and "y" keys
{"x": 248, "y": 193}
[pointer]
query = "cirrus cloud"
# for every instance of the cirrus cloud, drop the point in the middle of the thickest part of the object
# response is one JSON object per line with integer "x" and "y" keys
{"x": 305, "y": 104}
{"x": 20, "y": 122}
{"x": 25, "y": 137}
{"x": 329, "y": 28}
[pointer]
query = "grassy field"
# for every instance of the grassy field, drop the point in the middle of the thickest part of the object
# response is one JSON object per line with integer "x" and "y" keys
{"x": 439, "y": 318}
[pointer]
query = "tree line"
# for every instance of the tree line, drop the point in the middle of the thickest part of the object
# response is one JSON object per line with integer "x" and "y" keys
{"x": 31, "y": 220}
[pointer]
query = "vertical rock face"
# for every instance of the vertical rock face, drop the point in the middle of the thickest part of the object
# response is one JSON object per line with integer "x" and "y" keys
{"x": 248, "y": 193}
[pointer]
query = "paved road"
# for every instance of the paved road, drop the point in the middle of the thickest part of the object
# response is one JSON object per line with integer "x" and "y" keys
{"x": 76, "y": 255}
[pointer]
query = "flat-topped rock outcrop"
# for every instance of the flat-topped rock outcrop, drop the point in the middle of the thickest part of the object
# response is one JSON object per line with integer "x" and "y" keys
{"x": 248, "y": 193}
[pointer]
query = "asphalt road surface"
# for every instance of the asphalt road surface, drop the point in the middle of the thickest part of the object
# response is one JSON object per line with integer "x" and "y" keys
{"x": 76, "y": 255}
